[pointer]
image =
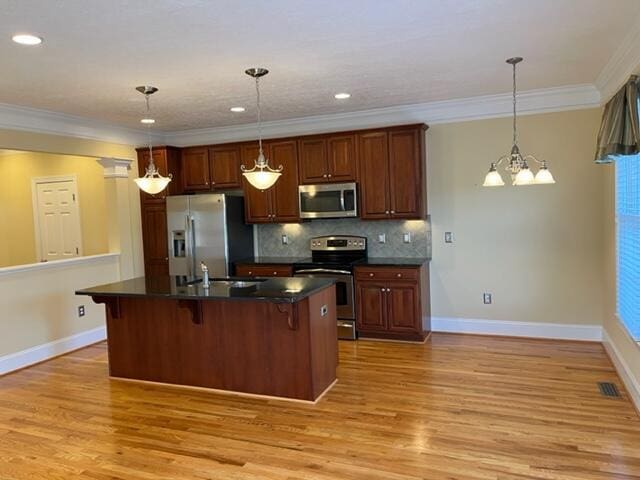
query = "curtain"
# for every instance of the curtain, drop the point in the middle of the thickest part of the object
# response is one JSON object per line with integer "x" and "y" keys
{"x": 620, "y": 130}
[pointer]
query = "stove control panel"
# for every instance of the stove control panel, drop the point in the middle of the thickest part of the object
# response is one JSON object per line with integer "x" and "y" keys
{"x": 338, "y": 243}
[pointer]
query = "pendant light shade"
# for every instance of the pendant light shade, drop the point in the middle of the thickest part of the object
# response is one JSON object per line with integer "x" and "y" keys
{"x": 516, "y": 163}
{"x": 261, "y": 176}
{"x": 544, "y": 177}
{"x": 493, "y": 178}
{"x": 152, "y": 182}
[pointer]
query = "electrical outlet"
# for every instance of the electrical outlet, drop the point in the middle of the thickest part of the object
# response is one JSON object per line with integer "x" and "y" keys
{"x": 81, "y": 310}
{"x": 382, "y": 238}
{"x": 285, "y": 239}
{"x": 448, "y": 237}
{"x": 486, "y": 298}
{"x": 406, "y": 237}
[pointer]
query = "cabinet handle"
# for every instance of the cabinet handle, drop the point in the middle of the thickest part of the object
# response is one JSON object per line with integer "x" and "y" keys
{"x": 275, "y": 273}
{"x": 393, "y": 212}
{"x": 388, "y": 289}
{"x": 399, "y": 275}
{"x": 250, "y": 273}
{"x": 329, "y": 175}
{"x": 382, "y": 289}
{"x": 386, "y": 212}
{"x": 371, "y": 274}
{"x": 324, "y": 175}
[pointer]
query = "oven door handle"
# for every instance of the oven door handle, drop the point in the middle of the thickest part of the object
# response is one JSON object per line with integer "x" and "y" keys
{"x": 323, "y": 270}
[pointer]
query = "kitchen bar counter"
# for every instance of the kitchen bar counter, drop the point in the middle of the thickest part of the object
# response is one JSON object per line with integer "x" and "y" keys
{"x": 277, "y": 338}
{"x": 278, "y": 290}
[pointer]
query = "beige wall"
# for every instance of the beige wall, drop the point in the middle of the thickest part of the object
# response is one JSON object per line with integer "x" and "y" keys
{"x": 16, "y": 173}
{"x": 537, "y": 249}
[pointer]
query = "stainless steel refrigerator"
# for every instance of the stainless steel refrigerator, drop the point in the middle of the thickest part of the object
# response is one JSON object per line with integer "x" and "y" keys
{"x": 207, "y": 228}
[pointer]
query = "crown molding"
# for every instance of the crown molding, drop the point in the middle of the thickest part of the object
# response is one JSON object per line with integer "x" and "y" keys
{"x": 15, "y": 117}
{"x": 623, "y": 63}
{"x": 474, "y": 108}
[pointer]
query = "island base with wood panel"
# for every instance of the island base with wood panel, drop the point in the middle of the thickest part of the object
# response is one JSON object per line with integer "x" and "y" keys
{"x": 271, "y": 343}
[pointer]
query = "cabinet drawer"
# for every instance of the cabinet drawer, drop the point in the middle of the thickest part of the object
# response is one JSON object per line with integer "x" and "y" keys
{"x": 263, "y": 270}
{"x": 386, "y": 273}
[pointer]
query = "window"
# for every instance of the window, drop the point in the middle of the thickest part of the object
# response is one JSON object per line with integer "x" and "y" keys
{"x": 628, "y": 240}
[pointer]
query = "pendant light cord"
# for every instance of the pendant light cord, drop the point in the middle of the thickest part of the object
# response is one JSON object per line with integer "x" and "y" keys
{"x": 259, "y": 113}
{"x": 151, "y": 163}
{"x": 515, "y": 129}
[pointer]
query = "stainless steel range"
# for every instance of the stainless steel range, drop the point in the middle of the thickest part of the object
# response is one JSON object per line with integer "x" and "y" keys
{"x": 334, "y": 257}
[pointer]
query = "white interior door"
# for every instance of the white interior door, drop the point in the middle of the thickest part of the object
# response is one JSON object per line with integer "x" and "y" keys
{"x": 58, "y": 220}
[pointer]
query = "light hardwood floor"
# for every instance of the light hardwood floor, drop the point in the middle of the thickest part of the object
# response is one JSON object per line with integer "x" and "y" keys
{"x": 457, "y": 407}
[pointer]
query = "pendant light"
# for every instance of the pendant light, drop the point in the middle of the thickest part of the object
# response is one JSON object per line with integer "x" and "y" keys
{"x": 261, "y": 176}
{"x": 152, "y": 182}
{"x": 518, "y": 164}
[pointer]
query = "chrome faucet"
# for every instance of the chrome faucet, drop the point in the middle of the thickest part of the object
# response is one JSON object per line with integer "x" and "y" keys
{"x": 205, "y": 274}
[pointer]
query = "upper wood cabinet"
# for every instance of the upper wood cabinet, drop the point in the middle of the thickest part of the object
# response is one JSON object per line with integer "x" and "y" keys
{"x": 224, "y": 166}
{"x": 392, "y": 177}
{"x": 327, "y": 159}
{"x": 195, "y": 169}
{"x": 211, "y": 168}
{"x": 280, "y": 202}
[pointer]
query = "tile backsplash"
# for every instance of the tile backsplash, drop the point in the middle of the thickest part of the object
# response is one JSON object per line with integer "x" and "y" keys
{"x": 270, "y": 236}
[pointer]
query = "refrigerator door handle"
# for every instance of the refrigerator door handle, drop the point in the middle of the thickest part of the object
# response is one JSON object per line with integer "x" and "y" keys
{"x": 188, "y": 244}
{"x": 192, "y": 259}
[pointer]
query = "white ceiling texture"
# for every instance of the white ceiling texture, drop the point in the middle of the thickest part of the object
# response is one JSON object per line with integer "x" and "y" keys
{"x": 384, "y": 52}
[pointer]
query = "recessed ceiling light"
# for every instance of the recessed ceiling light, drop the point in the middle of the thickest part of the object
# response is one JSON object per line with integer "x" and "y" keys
{"x": 147, "y": 121}
{"x": 342, "y": 96}
{"x": 26, "y": 39}
{"x": 237, "y": 109}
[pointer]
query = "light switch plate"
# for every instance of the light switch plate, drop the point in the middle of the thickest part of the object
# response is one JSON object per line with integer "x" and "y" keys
{"x": 285, "y": 239}
{"x": 382, "y": 238}
{"x": 81, "y": 311}
{"x": 448, "y": 237}
{"x": 406, "y": 237}
{"x": 486, "y": 298}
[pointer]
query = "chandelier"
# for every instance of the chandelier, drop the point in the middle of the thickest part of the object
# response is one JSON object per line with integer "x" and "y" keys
{"x": 518, "y": 165}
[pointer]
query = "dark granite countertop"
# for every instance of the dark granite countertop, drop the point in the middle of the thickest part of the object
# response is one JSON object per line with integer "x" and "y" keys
{"x": 370, "y": 261}
{"x": 270, "y": 260}
{"x": 393, "y": 262}
{"x": 277, "y": 290}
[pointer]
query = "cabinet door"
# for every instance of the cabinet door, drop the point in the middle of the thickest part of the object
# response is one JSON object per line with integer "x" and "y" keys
{"x": 374, "y": 179}
{"x": 195, "y": 169}
{"x": 154, "y": 237}
{"x": 285, "y": 191}
{"x": 371, "y": 306}
{"x": 405, "y": 174}
{"x": 313, "y": 161}
{"x": 403, "y": 307}
{"x": 257, "y": 203}
{"x": 224, "y": 166}
{"x": 160, "y": 159}
{"x": 341, "y": 158}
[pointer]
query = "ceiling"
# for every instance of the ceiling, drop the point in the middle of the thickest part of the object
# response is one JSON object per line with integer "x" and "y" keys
{"x": 385, "y": 53}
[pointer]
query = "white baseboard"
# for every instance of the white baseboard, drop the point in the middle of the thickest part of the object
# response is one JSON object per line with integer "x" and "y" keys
{"x": 39, "y": 353}
{"x": 631, "y": 384}
{"x": 517, "y": 329}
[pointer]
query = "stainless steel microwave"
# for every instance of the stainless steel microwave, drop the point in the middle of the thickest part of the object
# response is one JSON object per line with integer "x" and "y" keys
{"x": 333, "y": 200}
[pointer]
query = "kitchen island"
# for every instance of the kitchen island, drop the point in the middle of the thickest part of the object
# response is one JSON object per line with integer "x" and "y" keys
{"x": 273, "y": 337}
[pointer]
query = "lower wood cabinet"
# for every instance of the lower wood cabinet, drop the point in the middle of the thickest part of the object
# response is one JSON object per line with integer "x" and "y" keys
{"x": 393, "y": 302}
{"x": 261, "y": 270}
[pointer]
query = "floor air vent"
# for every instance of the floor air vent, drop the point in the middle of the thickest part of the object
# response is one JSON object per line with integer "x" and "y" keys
{"x": 608, "y": 389}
